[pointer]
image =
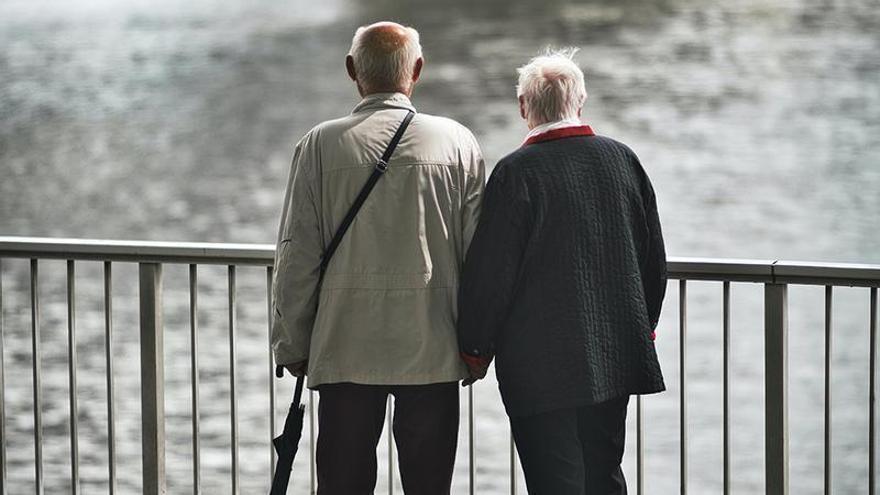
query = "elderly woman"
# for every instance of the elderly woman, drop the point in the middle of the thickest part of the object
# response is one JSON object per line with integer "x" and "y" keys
{"x": 563, "y": 284}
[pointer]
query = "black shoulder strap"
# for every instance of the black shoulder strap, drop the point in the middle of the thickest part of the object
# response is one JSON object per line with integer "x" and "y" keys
{"x": 378, "y": 171}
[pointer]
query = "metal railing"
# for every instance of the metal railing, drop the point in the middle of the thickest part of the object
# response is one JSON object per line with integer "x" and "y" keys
{"x": 150, "y": 257}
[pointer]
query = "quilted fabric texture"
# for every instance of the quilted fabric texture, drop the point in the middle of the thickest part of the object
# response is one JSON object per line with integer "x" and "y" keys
{"x": 565, "y": 276}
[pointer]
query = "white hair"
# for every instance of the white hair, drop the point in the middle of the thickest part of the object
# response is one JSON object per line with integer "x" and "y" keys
{"x": 381, "y": 62}
{"x": 552, "y": 86}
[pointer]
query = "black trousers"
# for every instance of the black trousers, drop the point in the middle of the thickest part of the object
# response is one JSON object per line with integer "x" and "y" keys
{"x": 574, "y": 451}
{"x": 350, "y": 422}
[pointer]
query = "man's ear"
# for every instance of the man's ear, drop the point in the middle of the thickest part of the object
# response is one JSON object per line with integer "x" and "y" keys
{"x": 522, "y": 108}
{"x": 349, "y": 67}
{"x": 417, "y": 70}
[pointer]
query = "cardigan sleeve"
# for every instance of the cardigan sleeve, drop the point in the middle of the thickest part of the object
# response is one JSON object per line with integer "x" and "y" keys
{"x": 654, "y": 271}
{"x": 493, "y": 263}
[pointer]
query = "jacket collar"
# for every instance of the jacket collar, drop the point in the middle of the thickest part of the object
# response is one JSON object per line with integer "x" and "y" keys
{"x": 381, "y": 101}
{"x": 564, "y": 132}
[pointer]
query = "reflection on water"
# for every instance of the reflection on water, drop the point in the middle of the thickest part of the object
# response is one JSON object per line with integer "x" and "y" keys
{"x": 758, "y": 122}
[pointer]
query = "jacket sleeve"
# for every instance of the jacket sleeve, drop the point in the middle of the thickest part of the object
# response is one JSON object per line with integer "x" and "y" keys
{"x": 297, "y": 259}
{"x": 654, "y": 264}
{"x": 492, "y": 265}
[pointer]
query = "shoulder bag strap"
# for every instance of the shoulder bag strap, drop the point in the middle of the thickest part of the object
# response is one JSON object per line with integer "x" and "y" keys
{"x": 378, "y": 171}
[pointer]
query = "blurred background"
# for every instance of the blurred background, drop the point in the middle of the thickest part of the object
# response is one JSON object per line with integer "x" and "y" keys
{"x": 758, "y": 122}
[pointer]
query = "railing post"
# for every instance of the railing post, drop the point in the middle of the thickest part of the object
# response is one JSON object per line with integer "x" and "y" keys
{"x": 872, "y": 394}
{"x": 2, "y": 395}
{"x": 152, "y": 379}
{"x": 776, "y": 388}
{"x": 111, "y": 389}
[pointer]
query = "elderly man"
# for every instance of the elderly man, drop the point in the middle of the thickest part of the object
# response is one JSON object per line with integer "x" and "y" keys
{"x": 379, "y": 319}
{"x": 563, "y": 284}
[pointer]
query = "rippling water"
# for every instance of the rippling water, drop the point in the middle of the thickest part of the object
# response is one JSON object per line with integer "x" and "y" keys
{"x": 759, "y": 123}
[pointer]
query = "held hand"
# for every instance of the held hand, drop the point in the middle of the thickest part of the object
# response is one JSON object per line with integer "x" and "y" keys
{"x": 297, "y": 369}
{"x": 477, "y": 368}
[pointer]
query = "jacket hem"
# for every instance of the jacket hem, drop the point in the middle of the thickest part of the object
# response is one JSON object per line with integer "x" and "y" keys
{"x": 318, "y": 379}
{"x": 516, "y": 412}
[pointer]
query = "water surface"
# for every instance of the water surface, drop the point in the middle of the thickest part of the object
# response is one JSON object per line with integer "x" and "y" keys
{"x": 758, "y": 122}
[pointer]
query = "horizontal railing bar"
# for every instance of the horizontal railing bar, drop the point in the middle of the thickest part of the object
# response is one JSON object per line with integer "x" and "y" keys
{"x": 711, "y": 269}
{"x": 777, "y": 272}
{"x": 720, "y": 269}
{"x": 826, "y": 281}
{"x": 842, "y": 271}
{"x": 137, "y": 251}
{"x": 708, "y": 277}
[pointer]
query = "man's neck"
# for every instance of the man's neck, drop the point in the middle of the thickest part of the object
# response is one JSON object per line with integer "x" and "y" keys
{"x": 371, "y": 92}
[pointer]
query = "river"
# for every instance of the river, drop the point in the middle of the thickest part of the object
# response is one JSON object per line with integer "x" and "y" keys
{"x": 758, "y": 122}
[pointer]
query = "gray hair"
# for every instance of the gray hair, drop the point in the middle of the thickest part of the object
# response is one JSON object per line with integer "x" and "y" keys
{"x": 552, "y": 86}
{"x": 382, "y": 62}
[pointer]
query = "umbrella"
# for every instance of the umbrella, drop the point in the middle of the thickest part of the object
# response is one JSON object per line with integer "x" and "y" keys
{"x": 287, "y": 443}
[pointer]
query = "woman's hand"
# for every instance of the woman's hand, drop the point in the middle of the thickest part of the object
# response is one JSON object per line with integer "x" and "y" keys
{"x": 477, "y": 367}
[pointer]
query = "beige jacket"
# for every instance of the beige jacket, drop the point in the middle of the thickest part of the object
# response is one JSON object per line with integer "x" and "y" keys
{"x": 386, "y": 311}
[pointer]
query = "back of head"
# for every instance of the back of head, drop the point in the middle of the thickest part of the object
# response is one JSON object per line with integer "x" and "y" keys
{"x": 385, "y": 55}
{"x": 552, "y": 87}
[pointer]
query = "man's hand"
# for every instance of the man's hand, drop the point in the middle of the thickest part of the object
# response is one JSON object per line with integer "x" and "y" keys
{"x": 297, "y": 369}
{"x": 477, "y": 367}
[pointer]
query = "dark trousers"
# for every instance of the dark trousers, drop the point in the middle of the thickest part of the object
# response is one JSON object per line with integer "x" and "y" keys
{"x": 575, "y": 451}
{"x": 350, "y": 422}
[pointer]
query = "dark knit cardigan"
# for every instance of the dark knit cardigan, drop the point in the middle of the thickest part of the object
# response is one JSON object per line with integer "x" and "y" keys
{"x": 565, "y": 276}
